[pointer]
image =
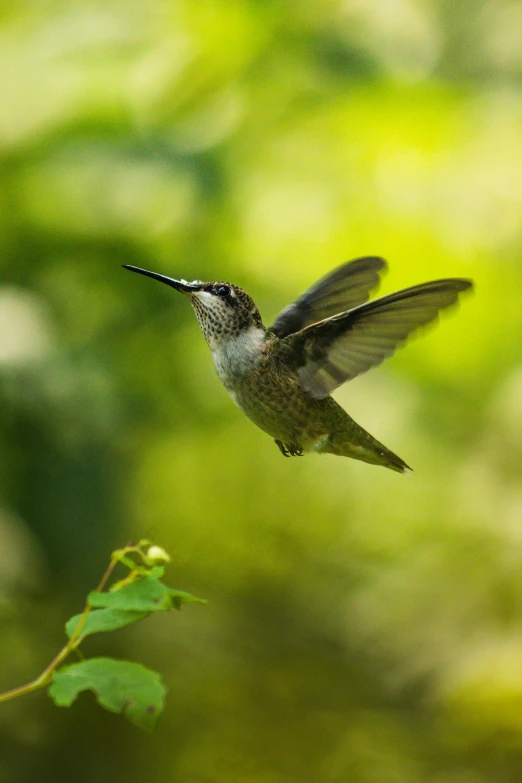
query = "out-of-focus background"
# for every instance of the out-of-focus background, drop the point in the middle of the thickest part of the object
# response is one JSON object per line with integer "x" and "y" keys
{"x": 362, "y": 627}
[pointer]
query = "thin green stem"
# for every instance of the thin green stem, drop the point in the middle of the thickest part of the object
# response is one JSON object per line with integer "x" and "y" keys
{"x": 76, "y": 638}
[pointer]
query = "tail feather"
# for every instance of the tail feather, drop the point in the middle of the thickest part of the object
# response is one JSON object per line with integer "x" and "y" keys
{"x": 353, "y": 441}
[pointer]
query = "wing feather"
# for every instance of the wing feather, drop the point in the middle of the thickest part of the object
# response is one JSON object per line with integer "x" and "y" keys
{"x": 343, "y": 289}
{"x": 341, "y": 347}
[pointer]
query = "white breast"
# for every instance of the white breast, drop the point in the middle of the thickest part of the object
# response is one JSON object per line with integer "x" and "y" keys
{"x": 234, "y": 356}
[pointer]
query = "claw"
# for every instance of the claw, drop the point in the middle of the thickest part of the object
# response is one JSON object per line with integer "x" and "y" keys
{"x": 290, "y": 450}
{"x": 282, "y": 448}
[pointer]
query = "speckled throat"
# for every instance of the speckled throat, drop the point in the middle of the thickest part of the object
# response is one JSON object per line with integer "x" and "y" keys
{"x": 222, "y": 319}
{"x": 234, "y": 333}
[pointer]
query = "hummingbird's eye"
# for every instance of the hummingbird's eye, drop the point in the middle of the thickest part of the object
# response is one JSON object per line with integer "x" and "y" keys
{"x": 222, "y": 290}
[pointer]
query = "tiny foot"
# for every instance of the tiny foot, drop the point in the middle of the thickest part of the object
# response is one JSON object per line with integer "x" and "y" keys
{"x": 281, "y": 447}
{"x": 289, "y": 450}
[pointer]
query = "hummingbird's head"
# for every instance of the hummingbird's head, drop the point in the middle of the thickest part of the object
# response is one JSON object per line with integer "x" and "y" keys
{"x": 222, "y": 309}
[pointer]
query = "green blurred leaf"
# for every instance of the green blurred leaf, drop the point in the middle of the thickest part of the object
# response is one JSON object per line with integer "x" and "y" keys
{"x": 179, "y": 597}
{"x": 157, "y": 571}
{"x": 145, "y": 594}
{"x": 119, "y": 686}
{"x": 103, "y": 620}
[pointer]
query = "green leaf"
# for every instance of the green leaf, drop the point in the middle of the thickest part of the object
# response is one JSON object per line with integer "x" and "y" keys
{"x": 119, "y": 686}
{"x": 157, "y": 571}
{"x": 103, "y": 620}
{"x": 144, "y": 594}
{"x": 179, "y": 597}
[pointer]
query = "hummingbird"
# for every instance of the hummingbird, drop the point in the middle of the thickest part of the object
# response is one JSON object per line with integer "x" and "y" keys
{"x": 282, "y": 377}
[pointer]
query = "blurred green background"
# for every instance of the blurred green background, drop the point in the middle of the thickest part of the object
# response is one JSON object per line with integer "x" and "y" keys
{"x": 362, "y": 627}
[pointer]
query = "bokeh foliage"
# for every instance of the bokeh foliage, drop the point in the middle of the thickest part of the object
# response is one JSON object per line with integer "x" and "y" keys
{"x": 361, "y": 627}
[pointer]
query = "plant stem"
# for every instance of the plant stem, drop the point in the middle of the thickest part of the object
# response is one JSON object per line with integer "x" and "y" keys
{"x": 46, "y": 676}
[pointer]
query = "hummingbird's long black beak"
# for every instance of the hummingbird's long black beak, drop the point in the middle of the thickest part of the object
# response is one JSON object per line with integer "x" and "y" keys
{"x": 179, "y": 285}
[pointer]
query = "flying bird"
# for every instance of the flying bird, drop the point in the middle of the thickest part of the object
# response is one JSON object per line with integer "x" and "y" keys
{"x": 282, "y": 377}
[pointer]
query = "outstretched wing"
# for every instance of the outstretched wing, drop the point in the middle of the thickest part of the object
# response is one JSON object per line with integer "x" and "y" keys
{"x": 337, "y": 349}
{"x": 346, "y": 287}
